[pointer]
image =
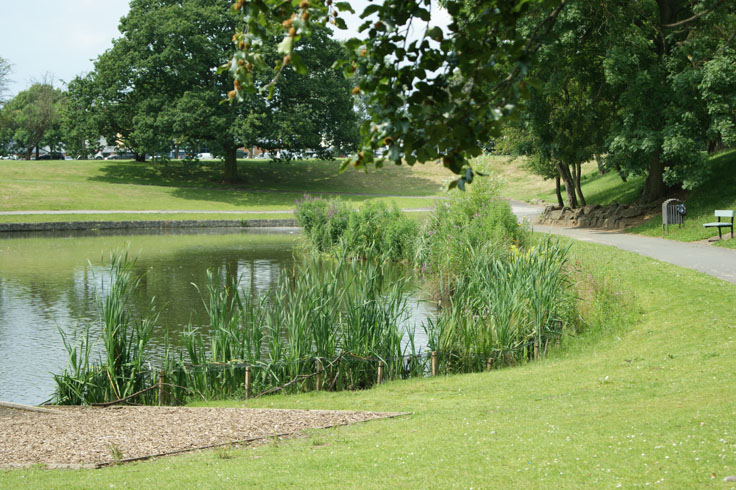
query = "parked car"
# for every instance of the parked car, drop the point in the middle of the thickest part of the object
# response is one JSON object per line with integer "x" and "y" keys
{"x": 54, "y": 155}
{"x": 205, "y": 156}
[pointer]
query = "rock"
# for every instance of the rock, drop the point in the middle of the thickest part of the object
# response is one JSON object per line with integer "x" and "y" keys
{"x": 730, "y": 478}
{"x": 631, "y": 212}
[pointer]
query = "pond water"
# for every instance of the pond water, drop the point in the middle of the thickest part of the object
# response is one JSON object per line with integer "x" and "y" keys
{"x": 50, "y": 282}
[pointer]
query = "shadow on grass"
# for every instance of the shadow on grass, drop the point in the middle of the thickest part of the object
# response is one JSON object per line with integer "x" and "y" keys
{"x": 204, "y": 180}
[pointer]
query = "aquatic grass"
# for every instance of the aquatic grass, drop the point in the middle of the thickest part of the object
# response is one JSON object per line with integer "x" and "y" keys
{"x": 503, "y": 311}
{"x": 125, "y": 337}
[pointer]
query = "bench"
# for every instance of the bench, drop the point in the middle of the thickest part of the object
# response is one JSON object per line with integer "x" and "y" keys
{"x": 722, "y": 213}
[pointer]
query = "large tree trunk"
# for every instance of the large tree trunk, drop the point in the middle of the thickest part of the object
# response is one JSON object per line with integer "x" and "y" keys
{"x": 231, "y": 165}
{"x": 578, "y": 189}
{"x": 558, "y": 191}
{"x": 140, "y": 157}
{"x": 564, "y": 172}
{"x": 654, "y": 187}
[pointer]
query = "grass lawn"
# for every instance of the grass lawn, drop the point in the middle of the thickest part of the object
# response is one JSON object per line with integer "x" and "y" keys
{"x": 268, "y": 186}
{"x": 648, "y": 403}
{"x": 517, "y": 183}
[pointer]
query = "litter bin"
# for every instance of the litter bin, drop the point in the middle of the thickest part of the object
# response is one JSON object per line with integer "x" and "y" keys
{"x": 673, "y": 213}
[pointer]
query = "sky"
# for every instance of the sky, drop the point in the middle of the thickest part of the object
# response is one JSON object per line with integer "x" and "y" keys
{"x": 61, "y": 39}
{"x": 58, "y": 38}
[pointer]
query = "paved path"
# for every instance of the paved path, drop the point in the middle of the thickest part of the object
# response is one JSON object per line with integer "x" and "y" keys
{"x": 715, "y": 261}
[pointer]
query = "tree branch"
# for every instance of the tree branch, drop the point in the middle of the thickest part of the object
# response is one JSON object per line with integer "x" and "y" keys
{"x": 694, "y": 17}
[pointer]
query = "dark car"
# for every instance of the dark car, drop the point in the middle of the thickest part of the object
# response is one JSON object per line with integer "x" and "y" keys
{"x": 54, "y": 155}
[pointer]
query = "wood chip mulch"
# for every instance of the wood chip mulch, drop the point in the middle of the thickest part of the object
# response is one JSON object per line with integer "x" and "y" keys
{"x": 92, "y": 437}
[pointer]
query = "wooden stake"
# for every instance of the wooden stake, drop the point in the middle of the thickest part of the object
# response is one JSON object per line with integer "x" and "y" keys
{"x": 161, "y": 381}
{"x": 489, "y": 366}
{"x": 536, "y": 349}
{"x": 319, "y": 375}
{"x": 380, "y": 372}
{"x": 247, "y": 382}
{"x": 434, "y": 363}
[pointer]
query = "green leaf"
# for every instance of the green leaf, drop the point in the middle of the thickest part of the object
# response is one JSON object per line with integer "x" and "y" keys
{"x": 370, "y": 9}
{"x": 345, "y": 7}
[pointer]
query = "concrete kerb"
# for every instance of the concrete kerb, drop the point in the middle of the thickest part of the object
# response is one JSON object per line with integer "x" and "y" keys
{"x": 151, "y": 225}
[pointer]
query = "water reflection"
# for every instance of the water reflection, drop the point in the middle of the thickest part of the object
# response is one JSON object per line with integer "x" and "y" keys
{"x": 51, "y": 282}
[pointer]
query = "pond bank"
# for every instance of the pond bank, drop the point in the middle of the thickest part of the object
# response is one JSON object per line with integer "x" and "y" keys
{"x": 136, "y": 225}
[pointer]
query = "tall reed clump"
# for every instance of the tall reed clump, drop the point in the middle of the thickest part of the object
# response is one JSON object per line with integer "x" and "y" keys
{"x": 505, "y": 309}
{"x": 122, "y": 372}
{"x": 374, "y": 231}
{"x": 475, "y": 223}
{"x": 338, "y": 317}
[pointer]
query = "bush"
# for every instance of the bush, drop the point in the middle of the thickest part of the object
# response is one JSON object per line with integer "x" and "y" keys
{"x": 373, "y": 231}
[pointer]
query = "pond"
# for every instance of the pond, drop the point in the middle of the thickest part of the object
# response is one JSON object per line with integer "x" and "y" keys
{"x": 51, "y": 282}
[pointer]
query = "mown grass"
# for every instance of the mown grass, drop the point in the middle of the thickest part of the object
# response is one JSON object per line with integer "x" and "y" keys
{"x": 518, "y": 183}
{"x": 644, "y": 403}
{"x": 267, "y": 186}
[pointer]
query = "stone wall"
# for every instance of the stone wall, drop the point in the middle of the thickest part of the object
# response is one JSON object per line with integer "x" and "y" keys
{"x": 612, "y": 217}
{"x": 150, "y": 225}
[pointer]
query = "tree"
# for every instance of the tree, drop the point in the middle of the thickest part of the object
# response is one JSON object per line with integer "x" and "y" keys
{"x": 79, "y": 124}
{"x": 418, "y": 114}
{"x": 566, "y": 117}
{"x": 159, "y": 85}
{"x": 658, "y": 56}
{"x": 32, "y": 118}
{"x": 663, "y": 61}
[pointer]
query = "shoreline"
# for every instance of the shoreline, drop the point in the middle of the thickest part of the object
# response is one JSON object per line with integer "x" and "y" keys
{"x": 155, "y": 225}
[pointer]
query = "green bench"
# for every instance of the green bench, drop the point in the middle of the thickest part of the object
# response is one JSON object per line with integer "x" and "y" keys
{"x": 722, "y": 213}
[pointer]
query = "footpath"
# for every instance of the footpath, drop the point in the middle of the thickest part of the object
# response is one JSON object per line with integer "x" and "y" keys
{"x": 714, "y": 261}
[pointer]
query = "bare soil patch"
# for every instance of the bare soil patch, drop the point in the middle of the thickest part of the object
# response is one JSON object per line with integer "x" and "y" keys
{"x": 84, "y": 436}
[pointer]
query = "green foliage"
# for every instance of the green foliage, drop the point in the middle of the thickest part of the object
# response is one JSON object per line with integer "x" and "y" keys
{"x": 420, "y": 109}
{"x": 137, "y": 103}
{"x": 503, "y": 308}
{"x": 124, "y": 370}
{"x": 32, "y": 119}
{"x": 660, "y": 65}
{"x": 373, "y": 231}
{"x": 476, "y": 223}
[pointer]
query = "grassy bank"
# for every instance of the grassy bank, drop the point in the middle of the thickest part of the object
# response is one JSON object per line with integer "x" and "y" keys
{"x": 716, "y": 192}
{"x": 267, "y": 186}
{"x": 651, "y": 402}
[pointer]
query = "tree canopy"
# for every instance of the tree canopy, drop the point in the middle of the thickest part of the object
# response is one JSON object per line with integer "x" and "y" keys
{"x": 32, "y": 119}
{"x": 648, "y": 82}
{"x": 158, "y": 86}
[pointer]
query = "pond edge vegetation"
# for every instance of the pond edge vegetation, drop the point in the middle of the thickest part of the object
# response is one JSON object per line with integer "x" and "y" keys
{"x": 337, "y": 320}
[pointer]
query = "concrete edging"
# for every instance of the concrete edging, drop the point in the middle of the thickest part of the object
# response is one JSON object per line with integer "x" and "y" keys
{"x": 133, "y": 225}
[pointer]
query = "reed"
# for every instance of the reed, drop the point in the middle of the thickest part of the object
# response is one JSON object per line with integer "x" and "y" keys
{"x": 123, "y": 371}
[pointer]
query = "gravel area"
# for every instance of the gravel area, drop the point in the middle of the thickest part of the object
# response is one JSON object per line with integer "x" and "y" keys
{"x": 89, "y": 437}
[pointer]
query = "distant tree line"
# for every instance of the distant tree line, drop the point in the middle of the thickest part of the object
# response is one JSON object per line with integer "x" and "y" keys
{"x": 159, "y": 89}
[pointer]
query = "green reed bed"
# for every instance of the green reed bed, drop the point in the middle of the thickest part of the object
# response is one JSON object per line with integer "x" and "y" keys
{"x": 502, "y": 300}
{"x": 339, "y": 318}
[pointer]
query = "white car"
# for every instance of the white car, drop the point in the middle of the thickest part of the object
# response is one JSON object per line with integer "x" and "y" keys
{"x": 205, "y": 156}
